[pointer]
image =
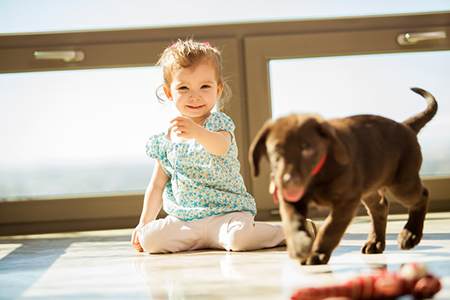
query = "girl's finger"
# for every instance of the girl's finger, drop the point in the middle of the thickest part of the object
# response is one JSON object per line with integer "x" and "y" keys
{"x": 177, "y": 120}
{"x": 134, "y": 237}
{"x": 138, "y": 247}
{"x": 178, "y": 127}
{"x": 135, "y": 241}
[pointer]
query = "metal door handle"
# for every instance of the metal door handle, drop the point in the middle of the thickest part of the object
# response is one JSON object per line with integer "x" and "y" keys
{"x": 67, "y": 56}
{"x": 416, "y": 37}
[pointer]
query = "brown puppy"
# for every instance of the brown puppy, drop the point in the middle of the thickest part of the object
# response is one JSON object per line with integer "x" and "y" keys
{"x": 338, "y": 163}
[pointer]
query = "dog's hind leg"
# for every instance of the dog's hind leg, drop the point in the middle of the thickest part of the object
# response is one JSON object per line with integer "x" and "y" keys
{"x": 413, "y": 196}
{"x": 377, "y": 208}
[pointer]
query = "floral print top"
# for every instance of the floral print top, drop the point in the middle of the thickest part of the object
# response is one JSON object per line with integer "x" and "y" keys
{"x": 201, "y": 184}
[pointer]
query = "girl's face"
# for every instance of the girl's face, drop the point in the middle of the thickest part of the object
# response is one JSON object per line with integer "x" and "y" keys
{"x": 195, "y": 91}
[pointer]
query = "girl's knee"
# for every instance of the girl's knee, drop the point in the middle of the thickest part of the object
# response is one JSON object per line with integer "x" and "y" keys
{"x": 153, "y": 237}
{"x": 251, "y": 236}
{"x": 240, "y": 239}
{"x": 170, "y": 235}
{"x": 149, "y": 241}
{"x": 235, "y": 233}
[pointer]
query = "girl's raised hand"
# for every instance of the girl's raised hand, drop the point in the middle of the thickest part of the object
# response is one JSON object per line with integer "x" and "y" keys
{"x": 185, "y": 128}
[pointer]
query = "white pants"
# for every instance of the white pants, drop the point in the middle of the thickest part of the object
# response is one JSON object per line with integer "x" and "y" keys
{"x": 235, "y": 231}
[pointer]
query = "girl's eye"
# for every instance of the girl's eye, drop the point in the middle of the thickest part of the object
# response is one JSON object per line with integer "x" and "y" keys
{"x": 206, "y": 86}
{"x": 182, "y": 88}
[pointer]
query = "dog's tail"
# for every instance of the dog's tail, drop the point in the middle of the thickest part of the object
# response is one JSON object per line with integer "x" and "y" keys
{"x": 418, "y": 121}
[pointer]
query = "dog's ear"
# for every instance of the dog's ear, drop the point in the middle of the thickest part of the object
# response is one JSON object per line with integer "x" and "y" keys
{"x": 258, "y": 147}
{"x": 339, "y": 150}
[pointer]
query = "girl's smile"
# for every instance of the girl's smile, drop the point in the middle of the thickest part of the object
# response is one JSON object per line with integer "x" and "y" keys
{"x": 195, "y": 107}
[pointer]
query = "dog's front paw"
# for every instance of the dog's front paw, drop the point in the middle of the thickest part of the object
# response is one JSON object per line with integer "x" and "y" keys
{"x": 407, "y": 239}
{"x": 373, "y": 246}
{"x": 299, "y": 244}
{"x": 316, "y": 259}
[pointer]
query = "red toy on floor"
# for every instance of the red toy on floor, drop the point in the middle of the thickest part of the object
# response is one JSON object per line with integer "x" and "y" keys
{"x": 412, "y": 279}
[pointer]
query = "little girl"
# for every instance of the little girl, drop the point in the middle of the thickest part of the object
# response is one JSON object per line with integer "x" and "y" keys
{"x": 197, "y": 169}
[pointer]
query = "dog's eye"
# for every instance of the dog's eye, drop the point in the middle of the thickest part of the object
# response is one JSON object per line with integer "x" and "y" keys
{"x": 276, "y": 157}
{"x": 277, "y": 152}
{"x": 306, "y": 149}
{"x": 305, "y": 146}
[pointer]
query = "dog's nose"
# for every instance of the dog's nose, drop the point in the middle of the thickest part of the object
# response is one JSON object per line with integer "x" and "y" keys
{"x": 286, "y": 178}
{"x": 289, "y": 178}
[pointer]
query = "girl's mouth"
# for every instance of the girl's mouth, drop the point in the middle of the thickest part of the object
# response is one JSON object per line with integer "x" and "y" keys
{"x": 195, "y": 107}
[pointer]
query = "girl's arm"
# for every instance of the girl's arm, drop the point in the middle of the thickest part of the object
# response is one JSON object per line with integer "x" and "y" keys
{"x": 152, "y": 203}
{"x": 216, "y": 143}
{"x": 153, "y": 195}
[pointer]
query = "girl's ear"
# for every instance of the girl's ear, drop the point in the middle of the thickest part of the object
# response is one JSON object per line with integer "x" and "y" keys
{"x": 167, "y": 91}
{"x": 219, "y": 89}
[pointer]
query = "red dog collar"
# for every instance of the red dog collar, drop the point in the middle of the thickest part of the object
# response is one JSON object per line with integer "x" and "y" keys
{"x": 319, "y": 165}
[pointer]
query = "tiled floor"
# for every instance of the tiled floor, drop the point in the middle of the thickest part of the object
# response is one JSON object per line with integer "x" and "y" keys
{"x": 102, "y": 264}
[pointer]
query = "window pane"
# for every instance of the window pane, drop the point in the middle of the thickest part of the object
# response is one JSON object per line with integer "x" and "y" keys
{"x": 72, "y": 132}
{"x": 373, "y": 84}
{"x": 20, "y": 16}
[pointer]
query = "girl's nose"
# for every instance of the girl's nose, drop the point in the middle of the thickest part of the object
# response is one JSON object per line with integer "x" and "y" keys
{"x": 194, "y": 96}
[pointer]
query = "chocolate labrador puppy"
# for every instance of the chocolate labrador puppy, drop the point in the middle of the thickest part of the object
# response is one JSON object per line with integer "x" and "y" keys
{"x": 339, "y": 163}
